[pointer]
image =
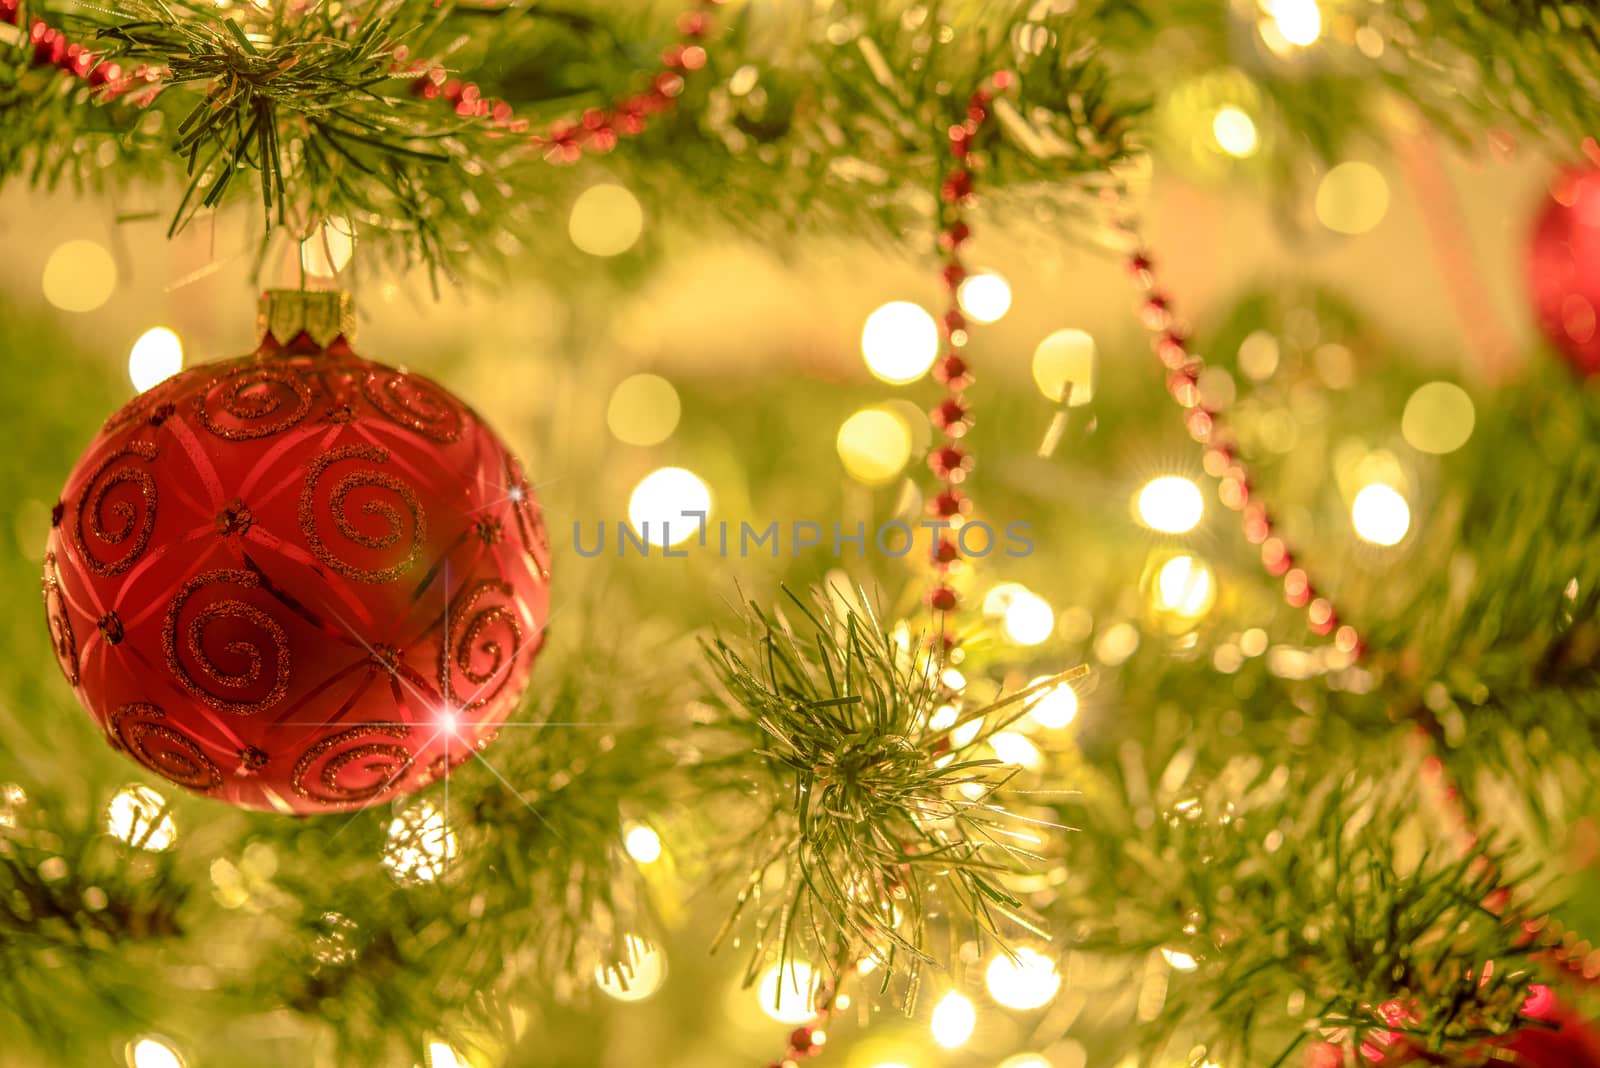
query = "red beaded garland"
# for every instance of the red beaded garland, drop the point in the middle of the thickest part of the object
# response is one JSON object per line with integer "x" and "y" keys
{"x": 51, "y": 48}
{"x": 597, "y": 130}
{"x": 952, "y": 417}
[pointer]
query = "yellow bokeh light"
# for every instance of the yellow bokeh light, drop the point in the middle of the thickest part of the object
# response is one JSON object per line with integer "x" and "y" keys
{"x": 953, "y": 1020}
{"x": 79, "y": 276}
{"x": 790, "y": 995}
{"x": 1380, "y": 514}
{"x": 1438, "y": 418}
{"x": 1298, "y": 21}
{"x": 1258, "y": 355}
{"x": 643, "y": 410}
{"x": 152, "y": 1052}
{"x": 1053, "y": 708}
{"x": 1066, "y": 357}
{"x": 1235, "y": 132}
{"x": 1025, "y": 1060}
{"x": 900, "y": 341}
{"x": 328, "y": 250}
{"x": 155, "y": 357}
{"x": 638, "y": 975}
{"x": 137, "y": 815}
{"x": 1352, "y": 198}
{"x": 1171, "y": 504}
{"x": 606, "y": 220}
{"x": 1026, "y": 980}
{"x": 1179, "y": 960}
{"x": 642, "y": 843}
{"x": 984, "y": 297}
{"x": 1184, "y": 587}
{"x": 874, "y": 445}
{"x": 663, "y": 504}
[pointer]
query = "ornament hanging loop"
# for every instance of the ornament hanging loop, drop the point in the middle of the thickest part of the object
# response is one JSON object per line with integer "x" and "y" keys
{"x": 322, "y": 317}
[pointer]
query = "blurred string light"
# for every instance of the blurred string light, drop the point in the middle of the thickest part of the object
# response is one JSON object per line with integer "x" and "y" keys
{"x": 789, "y": 995}
{"x": 643, "y": 410}
{"x": 984, "y": 297}
{"x": 1380, "y": 514}
{"x": 874, "y": 445}
{"x": 1026, "y": 980}
{"x": 639, "y": 974}
{"x": 1184, "y": 588}
{"x": 642, "y": 843}
{"x": 659, "y": 502}
{"x": 1438, "y": 418}
{"x": 421, "y": 845}
{"x": 155, "y": 357}
{"x": 328, "y": 250}
{"x": 137, "y": 815}
{"x": 152, "y": 1052}
{"x": 1352, "y": 198}
{"x": 899, "y": 341}
{"x": 953, "y": 1020}
{"x": 1294, "y": 22}
{"x": 443, "y": 1055}
{"x": 606, "y": 220}
{"x": 1235, "y": 132}
{"x": 1066, "y": 357}
{"x": 79, "y": 276}
{"x": 1179, "y": 960}
{"x": 1055, "y": 707}
{"x": 1171, "y": 504}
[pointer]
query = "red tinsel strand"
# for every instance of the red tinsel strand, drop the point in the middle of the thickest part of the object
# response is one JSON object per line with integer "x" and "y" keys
{"x": 596, "y": 130}
{"x": 952, "y": 417}
{"x": 105, "y": 78}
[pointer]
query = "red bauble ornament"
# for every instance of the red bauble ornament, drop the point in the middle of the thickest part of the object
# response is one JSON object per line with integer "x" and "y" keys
{"x": 1564, "y": 269}
{"x": 299, "y": 580}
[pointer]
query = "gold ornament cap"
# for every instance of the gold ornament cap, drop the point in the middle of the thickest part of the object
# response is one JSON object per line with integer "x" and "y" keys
{"x": 322, "y": 315}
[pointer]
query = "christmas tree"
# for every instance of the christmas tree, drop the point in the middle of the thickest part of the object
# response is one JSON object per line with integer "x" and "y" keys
{"x": 882, "y": 534}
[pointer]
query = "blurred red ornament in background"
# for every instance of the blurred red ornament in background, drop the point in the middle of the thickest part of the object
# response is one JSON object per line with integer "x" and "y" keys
{"x": 1564, "y": 268}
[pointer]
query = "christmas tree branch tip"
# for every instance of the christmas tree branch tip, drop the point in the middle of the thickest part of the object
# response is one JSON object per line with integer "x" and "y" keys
{"x": 878, "y": 810}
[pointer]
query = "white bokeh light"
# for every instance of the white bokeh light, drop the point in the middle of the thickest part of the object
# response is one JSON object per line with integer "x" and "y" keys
{"x": 1380, "y": 514}
{"x": 637, "y": 976}
{"x": 155, "y": 357}
{"x": 1029, "y": 620}
{"x": 1235, "y": 132}
{"x": 421, "y": 845}
{"x": 1055, "y": 707}
{"x": 984, "y": 297}
{"x": 1298, "y": 21}
{"x": 137, "y": 815}
{"x": 790, "y": 995}
{"x": 953, "y": 1020}
{"x": 657, "y": 509}
{"x": 152, "y": 1052}
{"x": 1184, "y": 587}
{"x": 1171, "y": 504}
{"x": 1026, "y": 980}
{"x": 642, "y": 844}
{"x": 899, "y": 341}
